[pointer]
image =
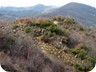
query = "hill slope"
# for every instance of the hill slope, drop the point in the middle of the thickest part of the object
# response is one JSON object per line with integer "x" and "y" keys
{"x": 47, "y": 45}
{"x": 82, "y": 13}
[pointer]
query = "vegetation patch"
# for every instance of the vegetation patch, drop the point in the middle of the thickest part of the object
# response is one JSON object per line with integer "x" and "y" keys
{"x": 54, "y": 29}
{"x": 86, "y": 47}
{"x": 92, "y": 60}
{"x": 81, "y": 53}
{"x": 27, "y": 29}
{"x": 15, "y": 26}
{"x": 82, "y": 67}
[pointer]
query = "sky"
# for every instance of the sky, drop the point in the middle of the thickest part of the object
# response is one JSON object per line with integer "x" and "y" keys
{"x": 26, "y": 3}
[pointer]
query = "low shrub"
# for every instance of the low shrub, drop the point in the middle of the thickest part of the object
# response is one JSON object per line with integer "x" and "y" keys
{"x": 69, "y": 21}
{"x": 86, "y": 47}
{"x": 82, "y": 53}
{"x": 54, "y": 29}
{"x": 27, "y": 29}
{"x": 81, "y": 28}
{"x": 59, "y": 18}
{"x": 74, "y": 51}
{"x": 82, "y": 67}
{"x": 79, "y": 67}
{"x": 91, "y": 59}
{"x": 15, "y": 26}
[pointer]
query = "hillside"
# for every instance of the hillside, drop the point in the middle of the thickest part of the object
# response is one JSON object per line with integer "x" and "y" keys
{"x": 82, "y": 13}
{"x": 56, "y": 44}
{"x": 8, "y": 18}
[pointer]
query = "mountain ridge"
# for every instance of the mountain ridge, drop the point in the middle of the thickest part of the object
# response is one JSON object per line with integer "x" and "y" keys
{"x": 10, "y": 8}
{"x": 82, "y": 13}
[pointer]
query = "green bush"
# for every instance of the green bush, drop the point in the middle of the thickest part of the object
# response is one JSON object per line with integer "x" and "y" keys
{"x": 27, "y": 29}
{"x": 41, "y": 24}
{"x": 34, "y": 23}
{"x": 82, "y": 53}
{"x": 86, "y": 47}
{"x": 81, "y": 28}
{"x": 15, "y": 26}
{"x": 89, "y": 68}
{"x": 79, "y": 67}
{"x": 91, "y": 59}
{"x": 54, "y": 29}
{"x": 45, "y": 24}
{"x": 82, "y": 67}
{"x": 74, "y": 51}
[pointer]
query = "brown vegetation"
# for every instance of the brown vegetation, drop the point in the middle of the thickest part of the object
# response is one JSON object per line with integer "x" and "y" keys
{"x": 41, "y": 46}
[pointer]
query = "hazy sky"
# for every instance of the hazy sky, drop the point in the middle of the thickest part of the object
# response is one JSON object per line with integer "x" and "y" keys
{"x": 24, "y": 3}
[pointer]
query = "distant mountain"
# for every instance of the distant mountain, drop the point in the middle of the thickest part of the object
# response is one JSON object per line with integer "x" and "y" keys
{"x": 24, "y": 11}
{"x": 82, "y": 13}
{"x": 38, "y": 7}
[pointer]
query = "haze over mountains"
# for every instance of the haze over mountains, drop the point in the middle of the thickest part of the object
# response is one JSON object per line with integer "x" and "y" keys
{"x": 82, "y": 13}
{"x": 24, "y": 11}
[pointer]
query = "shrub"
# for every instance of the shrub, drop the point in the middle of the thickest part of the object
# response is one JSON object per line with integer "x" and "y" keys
{"x": 91, "y": 59}
{"x": 74, "y": 51}
{"x": 89, "y": 68}
{"x": 85, "y": 47}
{"x": 69, "y": 21}
{"x": 45, "y": 24}
{"x": 79, "y": 67}
{"x": 33, "y": 23}
{"x": 82, "y": 53}
{"x": 27, "y": 29}
{"x": 59, "y": 18}
{"x": 82, "y": 67}
{"x": 74, "y": 28}
{"x": 81, "y": 28}
{"x": 54, "y": 29}
{"x": 15, "y": 26}
{"x": 42, "y": 24}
